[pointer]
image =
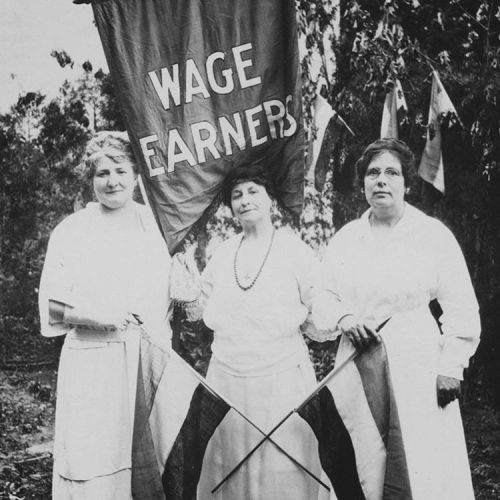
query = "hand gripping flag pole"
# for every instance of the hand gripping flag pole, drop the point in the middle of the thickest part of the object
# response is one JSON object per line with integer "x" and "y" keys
{"x": 255, "y": 426}
{"x": 266, "y": 437}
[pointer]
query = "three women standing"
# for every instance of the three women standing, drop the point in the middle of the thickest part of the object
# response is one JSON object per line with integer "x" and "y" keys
{"x": 106, "y": 272}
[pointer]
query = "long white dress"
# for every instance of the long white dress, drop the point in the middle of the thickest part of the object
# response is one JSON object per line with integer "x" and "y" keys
{"x": 94, "y": 261}
{"x": 397, "y": 277}
{"x": 260, "y": 364}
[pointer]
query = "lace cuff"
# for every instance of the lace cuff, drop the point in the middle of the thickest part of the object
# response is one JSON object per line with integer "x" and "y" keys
{"x": 309, "y": 329}
{"x": 185, "y": 280}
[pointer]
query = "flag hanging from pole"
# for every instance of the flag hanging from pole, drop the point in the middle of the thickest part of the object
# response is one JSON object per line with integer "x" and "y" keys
{"x": 431, "y": 167}
{"x": 322, "y": 113}
{"x": 177, "y": 415}
{"x": 204, "y": 86}
{"x": 395, "y": 112}
{"x": 327, "y": 125}
{"x": 182, "y": 414}
{"x": 355, "y": 419}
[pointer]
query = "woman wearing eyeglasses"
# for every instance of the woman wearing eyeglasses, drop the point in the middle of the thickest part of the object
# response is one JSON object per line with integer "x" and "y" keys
{"x": 391, "y": 263}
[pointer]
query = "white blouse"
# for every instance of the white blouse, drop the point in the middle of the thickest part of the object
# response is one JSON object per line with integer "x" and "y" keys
{"x": 94, "y": 261}
{"x": 417, "y": 261}
{"x": 256, "y": 329}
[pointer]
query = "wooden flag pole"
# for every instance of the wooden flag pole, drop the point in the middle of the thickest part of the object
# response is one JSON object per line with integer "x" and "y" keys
{"x": 142, "y": 189}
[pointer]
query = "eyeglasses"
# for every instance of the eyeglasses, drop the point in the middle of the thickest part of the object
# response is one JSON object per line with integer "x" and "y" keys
{"x": 374, "y": 172}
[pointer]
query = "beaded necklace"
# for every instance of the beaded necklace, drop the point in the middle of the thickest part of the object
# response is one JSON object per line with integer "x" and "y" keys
{"x": 245, "y": 288}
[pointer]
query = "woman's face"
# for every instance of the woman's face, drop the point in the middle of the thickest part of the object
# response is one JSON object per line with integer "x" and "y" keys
{"x": 250, "y": 202}
{"x": 114, "y": 183}
{"x": 384, "y": 181}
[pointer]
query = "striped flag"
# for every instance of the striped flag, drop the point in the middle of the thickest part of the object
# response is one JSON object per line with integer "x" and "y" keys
{"x": 355, "y": 419}
{"x": 182, "y": 413}
{"x": 322, "y": 113}
{"x": 176, "y": 416}
{"x": 327, "y": 124}
{"x": 395, "y": 113}
{"x": 431, "y": 167}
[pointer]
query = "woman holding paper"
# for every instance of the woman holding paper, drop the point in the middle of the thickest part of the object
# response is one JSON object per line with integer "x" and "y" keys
{"x": 256, "y": 294}
{"x": 106, "y": 272}
{"x": 391, "y": 263}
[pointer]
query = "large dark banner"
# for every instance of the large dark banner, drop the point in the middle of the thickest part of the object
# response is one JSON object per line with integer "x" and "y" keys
{"x": 206, "y": 85}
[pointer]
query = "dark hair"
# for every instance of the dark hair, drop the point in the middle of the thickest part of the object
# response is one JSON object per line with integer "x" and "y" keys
{"x": 388, "y": 145}
{"x": 253, "y": 172}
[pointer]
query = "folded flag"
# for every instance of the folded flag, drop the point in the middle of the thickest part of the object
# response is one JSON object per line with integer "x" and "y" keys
{"x": 355, "y": 419}
{"x": 182, "y": 414}
{"x": 431, "y": 167}
{"x": 395, "y": 113}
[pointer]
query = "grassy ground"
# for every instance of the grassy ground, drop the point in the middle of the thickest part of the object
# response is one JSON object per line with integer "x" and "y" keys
{"x": 482, "y": 430}
{"x": 26, "y": 425}
{"x": 26, "y": 432}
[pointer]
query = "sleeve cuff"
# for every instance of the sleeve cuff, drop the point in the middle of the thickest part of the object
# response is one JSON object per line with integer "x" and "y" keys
{"x": 328, "y": 311}
{"x": 451, "y": 371}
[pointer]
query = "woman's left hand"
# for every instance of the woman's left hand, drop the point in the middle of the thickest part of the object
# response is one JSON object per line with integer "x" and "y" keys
{"x": 448, "y": 389}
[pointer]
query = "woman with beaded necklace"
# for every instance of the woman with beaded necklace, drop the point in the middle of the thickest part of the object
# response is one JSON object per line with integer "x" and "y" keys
{"x": 256, "y": 294}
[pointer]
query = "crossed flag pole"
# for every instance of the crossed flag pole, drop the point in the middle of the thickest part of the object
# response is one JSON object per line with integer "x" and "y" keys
{"x": 267, "y": 436}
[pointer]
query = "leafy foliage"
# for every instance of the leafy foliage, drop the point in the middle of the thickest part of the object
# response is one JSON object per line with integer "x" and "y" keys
{"x": 26, "y": 427}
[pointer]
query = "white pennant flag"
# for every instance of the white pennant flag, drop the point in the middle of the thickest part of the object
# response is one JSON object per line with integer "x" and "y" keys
{"x": 395, "y": 112}
{"x": 431, "y": 167}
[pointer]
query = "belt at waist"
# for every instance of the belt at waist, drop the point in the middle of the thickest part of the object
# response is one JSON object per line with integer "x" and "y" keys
{"x": 294, "y": 358}
{"x": 89, "y": 334}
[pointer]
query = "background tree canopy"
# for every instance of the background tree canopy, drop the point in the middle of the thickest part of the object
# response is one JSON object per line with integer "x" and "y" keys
{"x": 369, "y": 43}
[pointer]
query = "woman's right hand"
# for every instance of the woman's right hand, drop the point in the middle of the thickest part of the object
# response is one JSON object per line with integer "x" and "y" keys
{"x": 120, "y": 319}
{"x": 360, "y": 335}
{"x": 100, "y": 317}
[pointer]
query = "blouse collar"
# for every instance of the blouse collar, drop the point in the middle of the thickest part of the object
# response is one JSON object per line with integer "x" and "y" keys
{"x": 404, "y": 224}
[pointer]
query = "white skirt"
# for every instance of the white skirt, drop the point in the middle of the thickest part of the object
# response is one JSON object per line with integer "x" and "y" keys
{"x": 111, "y": 487}
{"x": 265, "y": 399}
{"x": 94, "y": 415}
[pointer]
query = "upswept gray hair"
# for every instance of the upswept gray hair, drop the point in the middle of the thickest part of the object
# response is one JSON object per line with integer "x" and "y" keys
{"x": 111, "y": 144}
